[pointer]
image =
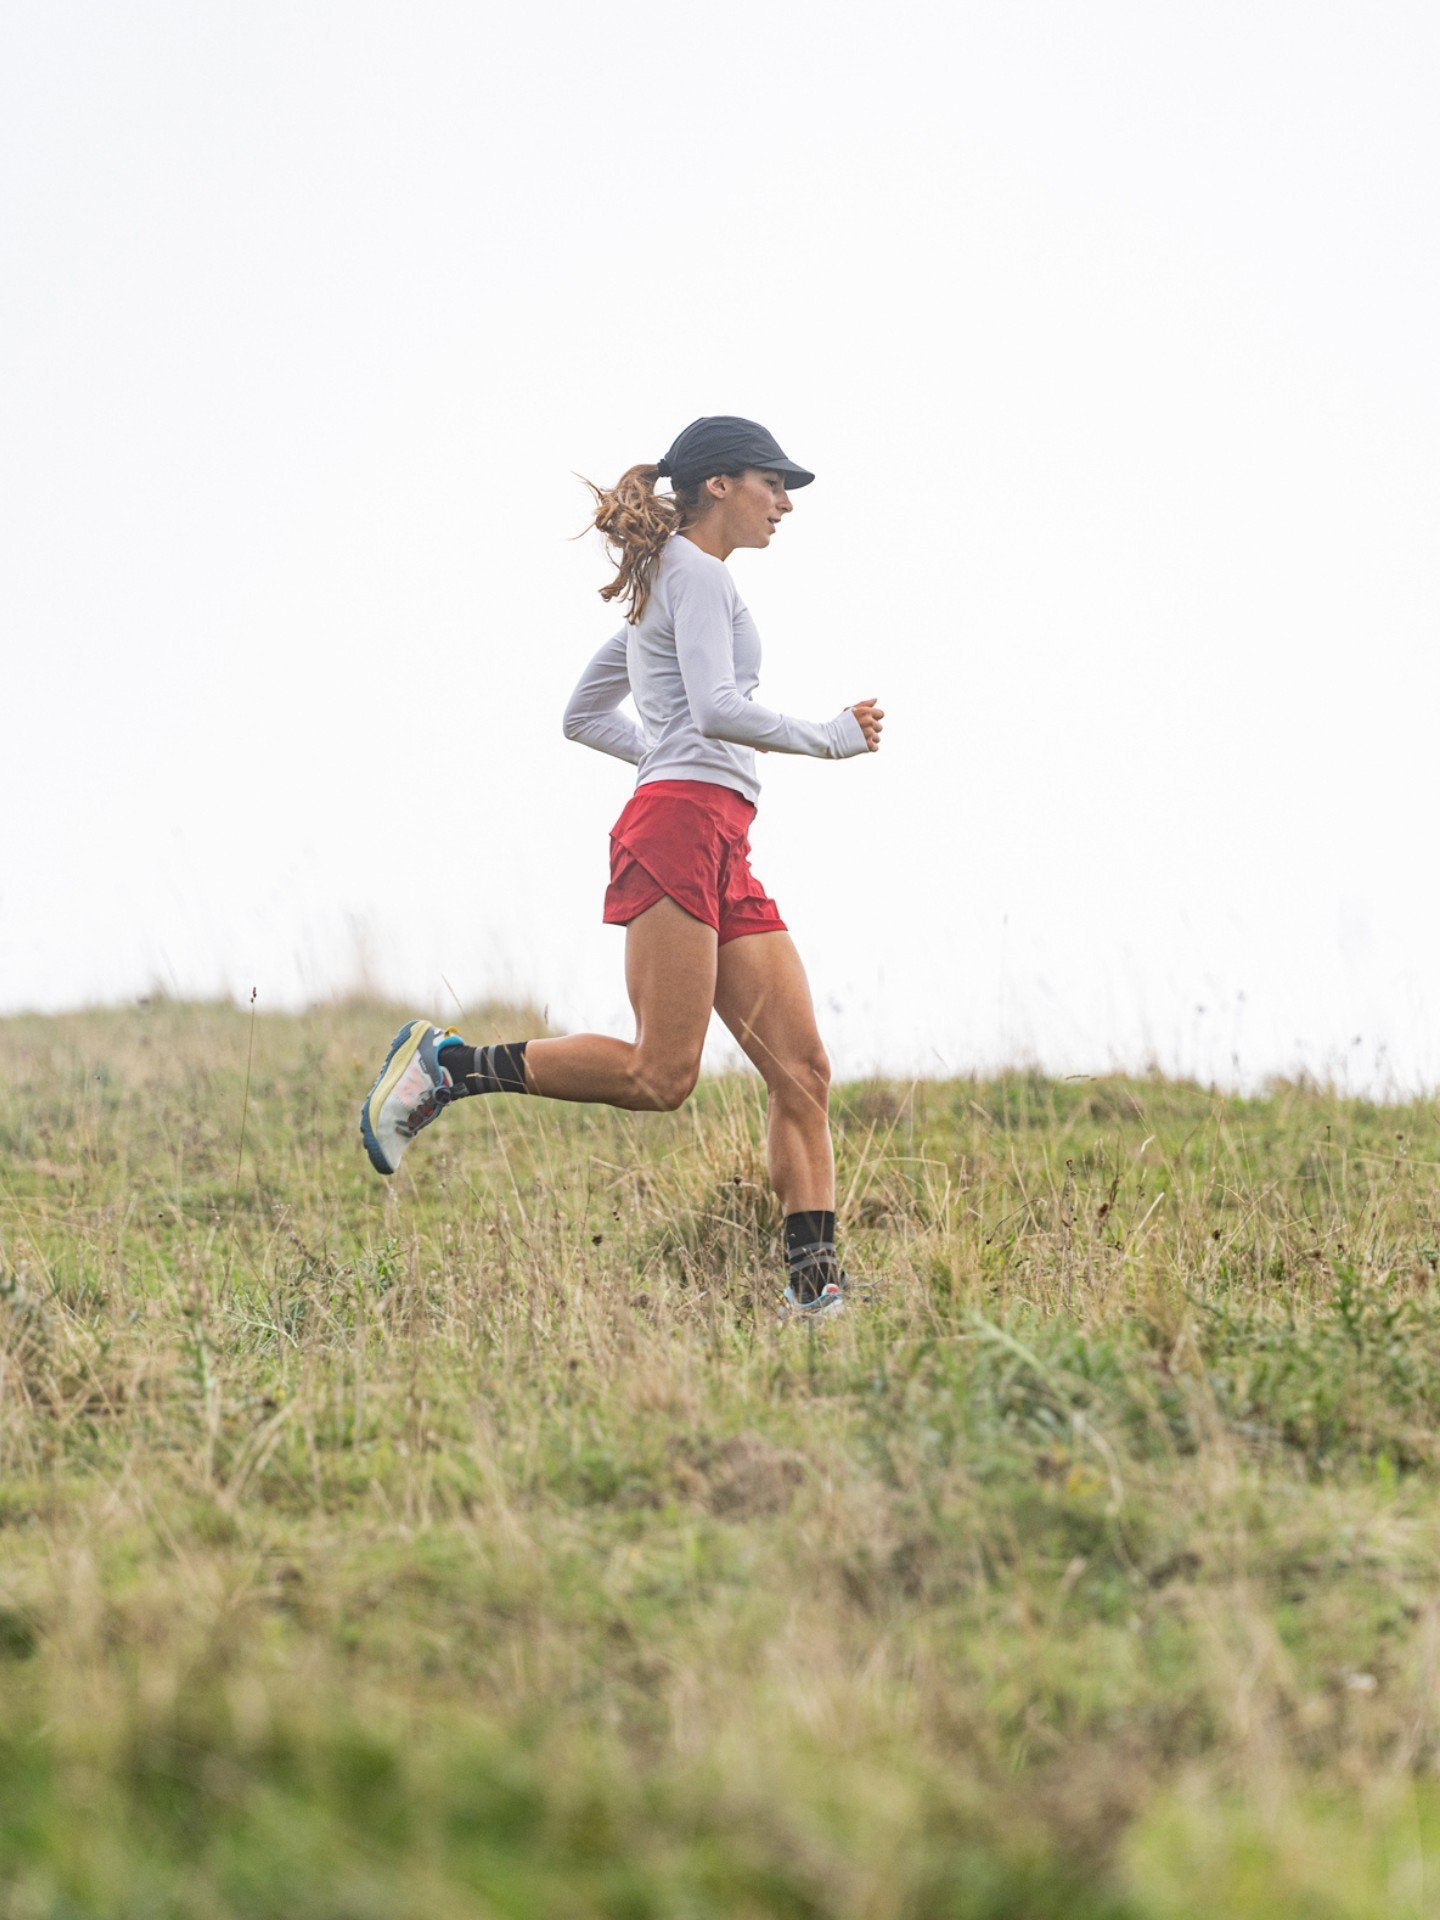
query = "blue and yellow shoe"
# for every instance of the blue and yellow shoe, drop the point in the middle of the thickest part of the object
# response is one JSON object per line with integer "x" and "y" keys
{"x": 409, "y": 1092}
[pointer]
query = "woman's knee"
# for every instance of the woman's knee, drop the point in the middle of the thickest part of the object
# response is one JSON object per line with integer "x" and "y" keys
{"x": 803, "y": 1077}
{"x": 665, "y": 1084}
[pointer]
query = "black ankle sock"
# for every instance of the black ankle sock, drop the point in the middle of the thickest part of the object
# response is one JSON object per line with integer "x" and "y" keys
{"x": 497, "y": 1069}
{"x": 803, "y": 1231}
{"x": 459, "y": 1062}
{"x": 810, "y": 1252}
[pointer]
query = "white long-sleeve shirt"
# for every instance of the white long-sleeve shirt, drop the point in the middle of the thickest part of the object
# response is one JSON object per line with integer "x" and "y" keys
{"x": 692, "y": 663}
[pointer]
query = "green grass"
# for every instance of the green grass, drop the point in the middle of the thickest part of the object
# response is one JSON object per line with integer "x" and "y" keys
{"x": 479, "y": 1543}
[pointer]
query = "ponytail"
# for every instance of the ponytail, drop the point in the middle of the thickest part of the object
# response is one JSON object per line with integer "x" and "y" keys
{"x": 636, "y": 522}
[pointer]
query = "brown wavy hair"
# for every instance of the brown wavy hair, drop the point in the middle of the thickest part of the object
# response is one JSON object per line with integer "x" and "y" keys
{"x": 636, "y": 522}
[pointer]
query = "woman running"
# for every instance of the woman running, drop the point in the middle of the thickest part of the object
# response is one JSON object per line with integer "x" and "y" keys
{"x": 701, "y": 933}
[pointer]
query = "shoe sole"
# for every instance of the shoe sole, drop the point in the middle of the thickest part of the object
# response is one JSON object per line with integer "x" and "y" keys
{"x": 794, "y": 1310}
{"x": 403, "y": 1049}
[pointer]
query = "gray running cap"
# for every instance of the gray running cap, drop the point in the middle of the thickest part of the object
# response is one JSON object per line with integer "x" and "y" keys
{"x": 724, "y": 443}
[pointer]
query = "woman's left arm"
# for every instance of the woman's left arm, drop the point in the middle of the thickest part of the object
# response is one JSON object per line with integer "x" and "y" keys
{"x": 591, "y": 716}
{"x": 703, "y": 603}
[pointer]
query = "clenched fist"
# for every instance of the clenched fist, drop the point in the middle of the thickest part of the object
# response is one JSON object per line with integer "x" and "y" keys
{"x": 870, "y": 716}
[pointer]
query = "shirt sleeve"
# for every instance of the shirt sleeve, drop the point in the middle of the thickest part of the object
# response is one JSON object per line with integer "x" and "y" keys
{"x": 591, "y": 716}
{"x": 702, "y": 606}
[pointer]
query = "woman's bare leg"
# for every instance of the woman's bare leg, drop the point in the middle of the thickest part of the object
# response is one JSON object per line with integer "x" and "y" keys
{"x": 763, "y": 997}
{"x": 670, "y": 974}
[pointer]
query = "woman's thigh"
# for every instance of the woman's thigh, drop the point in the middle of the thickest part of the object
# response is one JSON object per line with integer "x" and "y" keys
{"x": 670, "y": 966}
{"x": 763, "y": 996}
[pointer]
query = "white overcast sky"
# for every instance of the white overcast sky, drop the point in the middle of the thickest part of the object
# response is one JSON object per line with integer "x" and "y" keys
{"x": 1111, "y": 331}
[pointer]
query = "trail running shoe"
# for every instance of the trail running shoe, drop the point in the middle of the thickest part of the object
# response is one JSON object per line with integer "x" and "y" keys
{"x": 409, "y": 1091}
{"x": 830, "y": 1299}
{"x": 818, "y": 1282}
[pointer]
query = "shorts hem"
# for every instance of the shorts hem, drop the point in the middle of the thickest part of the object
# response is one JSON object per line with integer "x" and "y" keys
{"x": 622, "y": 914}
{"x": 741, "y": 933}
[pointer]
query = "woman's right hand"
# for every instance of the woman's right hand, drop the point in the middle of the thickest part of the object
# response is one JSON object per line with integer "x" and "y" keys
{"x": 870, "y": 716}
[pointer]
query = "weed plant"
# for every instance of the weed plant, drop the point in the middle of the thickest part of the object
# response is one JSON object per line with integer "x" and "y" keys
{"x": 481, "y": 1543}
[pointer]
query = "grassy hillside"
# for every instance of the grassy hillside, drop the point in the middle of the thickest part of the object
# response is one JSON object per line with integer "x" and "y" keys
{"x": 479, "y": 1543}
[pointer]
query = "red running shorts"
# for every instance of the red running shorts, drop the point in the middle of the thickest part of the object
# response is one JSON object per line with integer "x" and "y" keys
{"x": 688, "y": 840}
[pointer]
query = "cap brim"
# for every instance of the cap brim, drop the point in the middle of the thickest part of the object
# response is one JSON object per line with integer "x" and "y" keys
{"x": 792, "y": 475}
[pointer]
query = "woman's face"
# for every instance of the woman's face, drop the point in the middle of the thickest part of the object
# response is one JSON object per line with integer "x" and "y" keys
{"x": 752, "y": 505}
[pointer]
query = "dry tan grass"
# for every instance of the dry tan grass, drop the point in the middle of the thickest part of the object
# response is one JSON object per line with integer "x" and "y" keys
{"x": 482, "y": 1542}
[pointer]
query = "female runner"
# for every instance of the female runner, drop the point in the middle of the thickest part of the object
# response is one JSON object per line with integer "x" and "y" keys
{"x": 701, "y": 932}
